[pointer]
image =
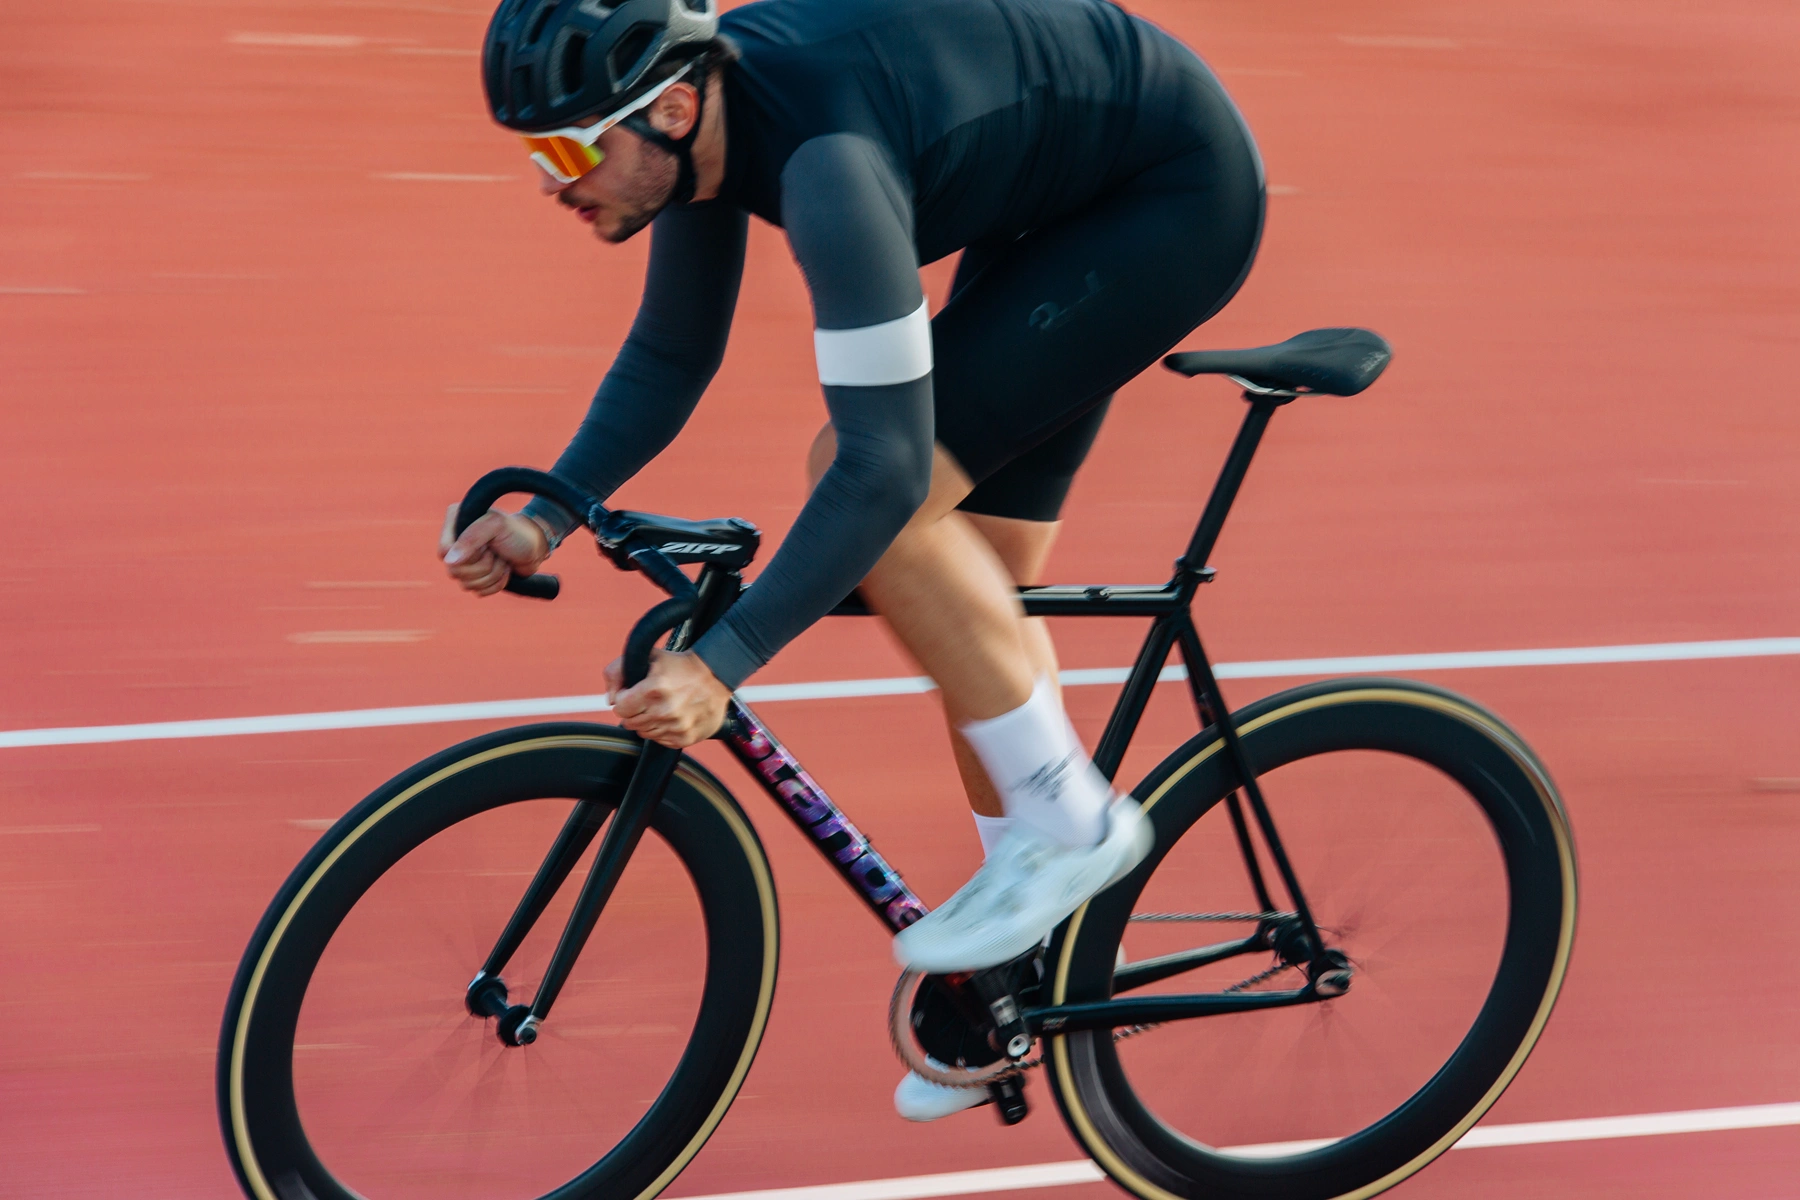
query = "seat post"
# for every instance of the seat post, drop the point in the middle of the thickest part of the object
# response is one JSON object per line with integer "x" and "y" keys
{"x": 1231, "y": 476}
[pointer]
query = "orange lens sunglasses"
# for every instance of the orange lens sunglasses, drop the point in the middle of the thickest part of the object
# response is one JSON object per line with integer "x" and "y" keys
{"x": 568, "y": 154}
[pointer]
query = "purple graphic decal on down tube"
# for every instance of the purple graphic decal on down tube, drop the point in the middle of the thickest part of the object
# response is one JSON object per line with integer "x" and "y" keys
{"x": 878, "y": 884}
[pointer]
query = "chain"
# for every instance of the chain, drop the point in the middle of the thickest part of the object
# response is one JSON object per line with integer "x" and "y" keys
{"x": 1251, "y": 982}
{"x": 1213, "y": 916}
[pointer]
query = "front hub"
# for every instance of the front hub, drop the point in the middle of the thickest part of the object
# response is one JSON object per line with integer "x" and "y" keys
{"x": 486, "y": 996}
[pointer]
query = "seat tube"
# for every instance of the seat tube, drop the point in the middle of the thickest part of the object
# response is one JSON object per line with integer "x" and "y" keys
{"x": 1231, "y": 477}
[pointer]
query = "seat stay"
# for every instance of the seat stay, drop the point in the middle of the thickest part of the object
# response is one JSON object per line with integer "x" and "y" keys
{"x": 1200, "y": 669}
{"x": 1208, "y": 708}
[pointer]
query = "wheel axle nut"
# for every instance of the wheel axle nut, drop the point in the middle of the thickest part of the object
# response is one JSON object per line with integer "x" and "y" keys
{"x": 1333, "y": 983}
{"x": 517, "y": 1027}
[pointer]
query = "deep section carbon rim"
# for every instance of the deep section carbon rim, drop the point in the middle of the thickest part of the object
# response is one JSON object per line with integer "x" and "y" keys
{"x": 1435, "y": 855}
{"x": 348, "y": 1065}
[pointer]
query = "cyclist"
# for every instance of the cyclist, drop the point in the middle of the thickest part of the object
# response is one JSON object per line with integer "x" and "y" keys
{"x": 1106, "y": 197}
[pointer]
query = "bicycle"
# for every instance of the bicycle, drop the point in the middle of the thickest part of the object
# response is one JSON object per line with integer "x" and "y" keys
{"x": 1438, "y": 1017}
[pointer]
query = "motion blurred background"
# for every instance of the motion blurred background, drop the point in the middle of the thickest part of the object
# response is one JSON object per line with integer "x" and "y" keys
{"x": 273, "y": 291}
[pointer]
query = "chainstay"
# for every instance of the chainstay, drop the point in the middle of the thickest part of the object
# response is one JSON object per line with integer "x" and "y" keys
{"x": 1131, "y": 1031}
{"x": 1213, "y": 916}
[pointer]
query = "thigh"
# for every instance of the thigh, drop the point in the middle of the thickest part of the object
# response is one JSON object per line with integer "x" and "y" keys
{"x": 1023, "y": 546}
{"x": 1046, "y": 327}
{"x": 1033, "y": 486}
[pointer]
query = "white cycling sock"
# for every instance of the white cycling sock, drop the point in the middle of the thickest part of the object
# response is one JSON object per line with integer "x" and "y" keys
{"x": 990, "y": 830}
{"x": 1043, "y": 774}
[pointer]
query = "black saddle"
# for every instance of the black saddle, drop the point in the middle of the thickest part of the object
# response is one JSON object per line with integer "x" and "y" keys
{"x": 1330, "y": 362}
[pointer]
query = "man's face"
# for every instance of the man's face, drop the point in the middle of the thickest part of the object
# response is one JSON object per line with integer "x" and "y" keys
{"x": 625, "y": 192}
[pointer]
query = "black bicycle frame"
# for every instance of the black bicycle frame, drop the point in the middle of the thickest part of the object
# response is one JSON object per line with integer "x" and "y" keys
{"x": 874, "y": 880}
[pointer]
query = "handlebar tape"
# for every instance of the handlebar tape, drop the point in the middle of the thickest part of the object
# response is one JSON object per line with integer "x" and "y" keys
{"x": 495, "y": 484}
{"x": 538, "y": 587}
{"x": 650, "y": 629}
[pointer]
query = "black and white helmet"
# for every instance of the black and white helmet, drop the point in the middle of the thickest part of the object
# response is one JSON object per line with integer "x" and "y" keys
{"x": 547, "y": 64}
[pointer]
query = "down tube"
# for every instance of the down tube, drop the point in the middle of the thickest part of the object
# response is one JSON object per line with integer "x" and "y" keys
{"x": 782, "y": 776}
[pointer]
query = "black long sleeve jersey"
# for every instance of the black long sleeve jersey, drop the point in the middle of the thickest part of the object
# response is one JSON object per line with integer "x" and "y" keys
{"x": 880, "y": 134}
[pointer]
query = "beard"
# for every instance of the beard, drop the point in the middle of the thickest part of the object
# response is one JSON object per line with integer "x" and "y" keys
{"x": 646, "y": 192}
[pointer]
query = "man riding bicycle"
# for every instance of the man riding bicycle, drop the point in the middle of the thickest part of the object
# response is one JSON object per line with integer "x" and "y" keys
{"x": 1107, "y": 199}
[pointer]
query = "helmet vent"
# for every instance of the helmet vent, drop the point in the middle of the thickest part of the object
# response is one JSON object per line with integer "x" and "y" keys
{"x": 567, "y": 60}
{"x": 522, "y": 106}
{"x": 539, "y": 21}
{"x": 626, "y": 52}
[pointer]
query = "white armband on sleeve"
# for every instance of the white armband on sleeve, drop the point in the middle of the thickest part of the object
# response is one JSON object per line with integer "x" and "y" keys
{"x": 896, "y": 351}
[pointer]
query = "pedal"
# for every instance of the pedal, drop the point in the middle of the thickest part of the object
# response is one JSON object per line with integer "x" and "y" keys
{"x": 1009, "y": 1099}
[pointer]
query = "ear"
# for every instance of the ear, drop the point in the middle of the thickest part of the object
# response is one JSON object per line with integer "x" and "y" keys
{"x": 674, "y": 112}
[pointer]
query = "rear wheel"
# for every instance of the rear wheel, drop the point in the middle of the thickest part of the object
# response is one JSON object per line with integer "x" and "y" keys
{"x": 349, "y": 1065}
{"x": 1435, "y": 855}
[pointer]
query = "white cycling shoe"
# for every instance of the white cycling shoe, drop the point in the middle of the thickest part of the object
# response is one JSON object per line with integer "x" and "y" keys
{"x": 1023, "y": 891}
{"x": 919, "y": 1099}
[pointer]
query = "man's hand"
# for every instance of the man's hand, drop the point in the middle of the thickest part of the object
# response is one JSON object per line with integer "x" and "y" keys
{"x": 497, "y": 546}
{"x": 679, "y": 703}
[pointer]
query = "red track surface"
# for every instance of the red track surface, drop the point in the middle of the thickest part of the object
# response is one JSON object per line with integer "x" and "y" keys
{"x": 243, "y": 373}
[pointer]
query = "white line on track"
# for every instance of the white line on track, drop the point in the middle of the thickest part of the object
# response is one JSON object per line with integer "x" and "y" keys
{"x": 1063, "y": 1174}
{"x": 439, "y": 177}
{"x": 309, "y": 41}
{"x": 849, "y": 689}
{"x": 84, "y": 176}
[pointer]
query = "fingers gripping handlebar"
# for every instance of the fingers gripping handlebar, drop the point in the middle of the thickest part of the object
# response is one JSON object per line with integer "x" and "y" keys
{"x": 666, "y": 617}
{"x": 651, "y": 627}
{"x": 495, "y": 484}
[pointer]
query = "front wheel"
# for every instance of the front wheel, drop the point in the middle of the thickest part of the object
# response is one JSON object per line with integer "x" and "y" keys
{"x": 1435, "y": 855}
{"x": 349, "y": 1064}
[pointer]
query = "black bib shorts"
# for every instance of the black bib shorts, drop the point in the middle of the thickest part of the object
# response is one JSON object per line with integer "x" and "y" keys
{"x": 1040, "y": 331}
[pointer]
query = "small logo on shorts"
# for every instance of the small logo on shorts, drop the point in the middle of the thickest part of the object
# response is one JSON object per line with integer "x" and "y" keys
{"x": 1050, "y": 315}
